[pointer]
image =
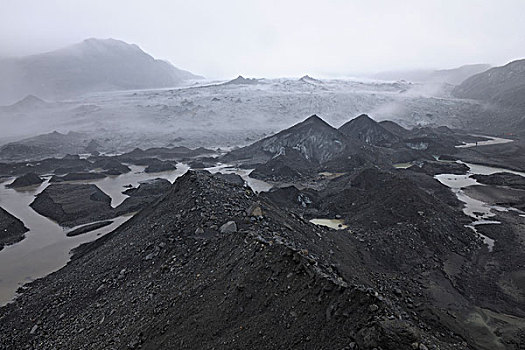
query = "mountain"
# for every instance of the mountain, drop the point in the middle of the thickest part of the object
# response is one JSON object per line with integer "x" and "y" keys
{"x": 369, "y": 131}
{"x": 450, "y": 76}
{"x": 315, "y": 140}
{"x": 212, "y": 265}
{"x": 502, "y": 85}
{"x": 11, "y": 229}
{"x": 90, "y": 66}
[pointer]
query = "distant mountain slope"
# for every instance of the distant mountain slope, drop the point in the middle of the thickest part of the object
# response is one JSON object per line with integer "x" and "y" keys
{"x": 92, "y": 65}
{"x": 503, "y": 85}
{"x": 28, "y": 103}
{"x": 453, "y": 76}
{"x": 45, "y": 145}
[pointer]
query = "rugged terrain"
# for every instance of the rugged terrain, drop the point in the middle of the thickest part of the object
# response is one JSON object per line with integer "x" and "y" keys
{"x": 208, "y": 263}
{"x": 11, "y": 229}
{"x": 271, "y": 280}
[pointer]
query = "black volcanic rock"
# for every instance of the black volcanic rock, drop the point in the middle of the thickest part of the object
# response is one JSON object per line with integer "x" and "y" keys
{"x": 77, "y": 177}
{"x": 160, "y": 165}
{"x": 287, "y": 166}
{"x": 146, "y": 193}
{"x": 73, "y": 204}
{"x": 433, "y": 168}
{"x": 29, "y": 179}
{"x": 230, "y": 178}
{"x": 419, "y": 221}
{"x": 151, "y": 187}
{"x": 170, "y": 263}
{"x": 197, "y": 164}
{"x": 111, "y": 166}
{"x": 291, "y": 197}
{"x": 143, "y": 161}
{"x": 164, "y": 153}
{"x": 502, "y": 179}
{"x": 369, "y": 131}
{"x": 11, "y": 229}
{"x": 313, "y": 138}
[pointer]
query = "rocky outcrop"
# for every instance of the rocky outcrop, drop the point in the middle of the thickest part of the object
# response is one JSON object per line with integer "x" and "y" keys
{"x": 73, "y": 204}
{"x": 369, "y": 131}
{"x": 313, "y": 138}
{"x": 502, "y": 179}
{"x": 159, "y": 166}
{"x": 29, "y": 179}
{"x": 259, "y": 276}
{"x": 146, "y": 193}
{"x": 111, "y": 166}
{"x": 11, "y": 229}
{"x": 77, "y": 177}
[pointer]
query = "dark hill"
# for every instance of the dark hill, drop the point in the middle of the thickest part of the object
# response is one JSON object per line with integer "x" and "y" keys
{"x": 11, "y": 229}
{"x": 171, "y": 278}
{"x": 369, "y": 131}
{"x": 29, "y": 179}
{"x": 313, "y": 138}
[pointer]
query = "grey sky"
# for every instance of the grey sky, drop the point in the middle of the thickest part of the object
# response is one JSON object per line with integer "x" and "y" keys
{"x": 220, "y": 39}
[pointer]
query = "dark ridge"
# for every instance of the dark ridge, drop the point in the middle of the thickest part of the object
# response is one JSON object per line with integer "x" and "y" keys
{"x": 11, "y": 229}
{"x": 209, "y": 264}
{"x": 369, "y": 131}
{"x": 29, "y": 179}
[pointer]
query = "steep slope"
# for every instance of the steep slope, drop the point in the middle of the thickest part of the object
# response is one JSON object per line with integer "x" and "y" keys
{"x": 196, "y": 271}
{"x": 315, "y": 140}
{"x": 369, "y": 131}
{"x": 92, "y": 65}
{"x": 395, "y": 128}
{"x": 11, "y": 229}
{"x": 73, "y": 204}
{"x": 503, "y": 85}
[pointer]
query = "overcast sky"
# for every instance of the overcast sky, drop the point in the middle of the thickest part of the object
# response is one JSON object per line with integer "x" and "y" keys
{"x": 267, "y": 38}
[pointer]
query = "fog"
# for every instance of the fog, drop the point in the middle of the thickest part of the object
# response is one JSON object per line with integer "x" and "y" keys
{"x": 220, "y": 39}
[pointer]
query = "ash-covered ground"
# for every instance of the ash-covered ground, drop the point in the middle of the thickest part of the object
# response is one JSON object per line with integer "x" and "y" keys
{"x": 418, "y": 254}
